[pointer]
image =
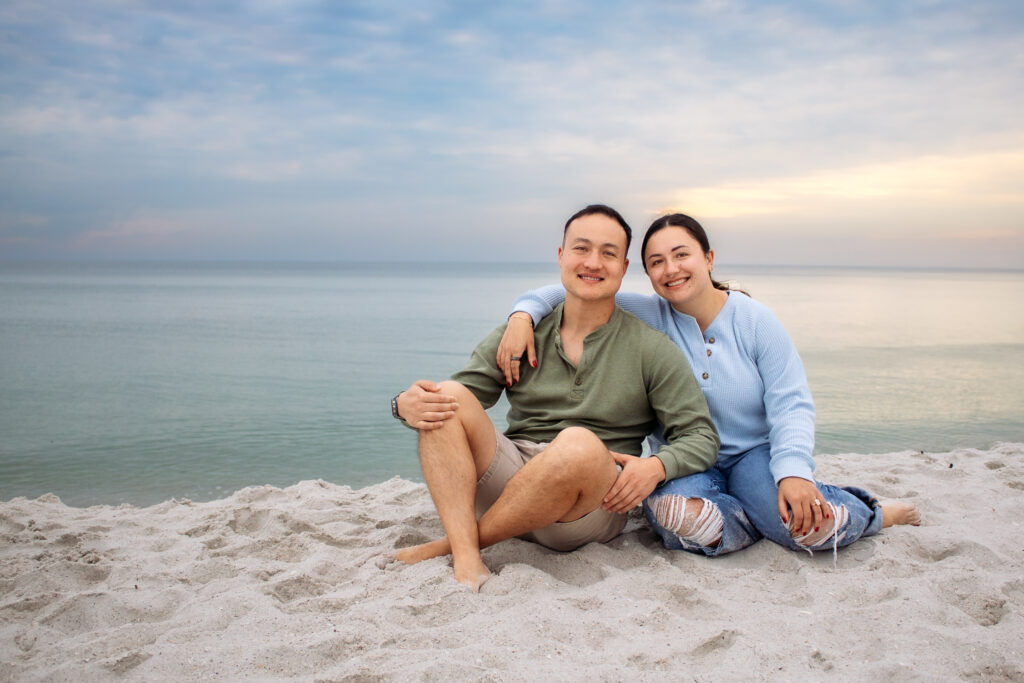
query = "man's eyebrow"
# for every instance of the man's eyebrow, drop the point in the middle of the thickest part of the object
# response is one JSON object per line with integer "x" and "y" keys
{"x": 584, "y": 240}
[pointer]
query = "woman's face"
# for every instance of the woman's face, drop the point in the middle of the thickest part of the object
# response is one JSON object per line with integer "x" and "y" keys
{"x": 679, "y": 269}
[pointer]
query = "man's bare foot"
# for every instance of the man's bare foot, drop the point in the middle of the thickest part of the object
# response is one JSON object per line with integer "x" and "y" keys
{"x": 900, "y": 513}
{"x": 473, "y": 574}
{"x": 424, "y": 551}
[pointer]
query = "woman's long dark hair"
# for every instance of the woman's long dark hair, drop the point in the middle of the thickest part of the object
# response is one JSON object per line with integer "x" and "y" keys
{"x": 690, "y": 225}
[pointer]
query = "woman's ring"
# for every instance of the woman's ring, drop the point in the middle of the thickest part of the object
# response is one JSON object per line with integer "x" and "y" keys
{"x": 817, "y": 502}
{"x": 517, "y": 357}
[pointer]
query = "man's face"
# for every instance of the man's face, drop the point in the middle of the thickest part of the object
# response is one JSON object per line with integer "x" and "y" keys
{"x": 593, "y": 257}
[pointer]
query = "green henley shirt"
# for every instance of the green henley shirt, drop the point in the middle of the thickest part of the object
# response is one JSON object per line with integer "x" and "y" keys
{"x": 630, "y": 379}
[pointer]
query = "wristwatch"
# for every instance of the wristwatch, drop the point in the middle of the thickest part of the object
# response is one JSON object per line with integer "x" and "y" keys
{"x": 394, "y": 407}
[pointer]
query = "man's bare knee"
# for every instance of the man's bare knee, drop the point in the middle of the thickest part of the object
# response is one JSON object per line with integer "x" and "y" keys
{"x": 456, "y": 389}
{"x": 578, "y": 464}
{"x": 471, "y": 425}
{"x": 579, "y": 446}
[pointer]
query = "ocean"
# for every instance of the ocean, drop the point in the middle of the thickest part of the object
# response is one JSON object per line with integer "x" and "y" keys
{"x": 140, "y": 382}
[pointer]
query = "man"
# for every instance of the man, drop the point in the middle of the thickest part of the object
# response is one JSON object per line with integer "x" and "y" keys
{"x": 566, "y": 471}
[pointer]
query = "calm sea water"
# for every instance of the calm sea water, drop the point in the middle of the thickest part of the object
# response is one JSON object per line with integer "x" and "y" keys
{"x": 141, "y": 382}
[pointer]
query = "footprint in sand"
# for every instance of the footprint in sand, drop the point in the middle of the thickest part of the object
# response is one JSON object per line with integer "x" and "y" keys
{"x": 298, "y": 587}
{"x": 126, "y": 663}
{"x": 966, "y": 594}
{"x": 722, "y": 641}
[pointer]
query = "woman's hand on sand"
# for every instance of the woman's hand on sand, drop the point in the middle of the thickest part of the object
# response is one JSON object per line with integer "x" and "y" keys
{"x": 797, "y": 508}
{"x": 424, "y": 407}
{"x": 518, "y": 338}
{"x": 639, "y": 476}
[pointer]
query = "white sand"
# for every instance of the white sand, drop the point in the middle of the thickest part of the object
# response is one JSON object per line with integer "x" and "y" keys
{"x": 274, "y": 584}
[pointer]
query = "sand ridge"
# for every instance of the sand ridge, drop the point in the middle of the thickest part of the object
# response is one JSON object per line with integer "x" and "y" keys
{"x": 272, "y": 584}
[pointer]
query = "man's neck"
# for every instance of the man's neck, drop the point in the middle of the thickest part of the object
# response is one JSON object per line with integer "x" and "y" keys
{"x": 580, "y": 318}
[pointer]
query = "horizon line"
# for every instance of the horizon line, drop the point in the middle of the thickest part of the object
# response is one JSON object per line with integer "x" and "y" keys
{"x": 460, "y": 262}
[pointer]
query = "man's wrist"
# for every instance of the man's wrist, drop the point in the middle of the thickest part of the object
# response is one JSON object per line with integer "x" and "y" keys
{"x": 658, "y": 468}
{"x": 522, "y": 315}
{"x": 394, "y": 407}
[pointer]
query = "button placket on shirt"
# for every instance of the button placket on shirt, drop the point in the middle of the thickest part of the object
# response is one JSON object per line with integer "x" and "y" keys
{"x": 709, "y": 342}
{"x": 576, "y": 389}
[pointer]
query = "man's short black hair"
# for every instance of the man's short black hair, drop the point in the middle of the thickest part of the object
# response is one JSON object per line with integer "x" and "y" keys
{"x": 606, "y": 211}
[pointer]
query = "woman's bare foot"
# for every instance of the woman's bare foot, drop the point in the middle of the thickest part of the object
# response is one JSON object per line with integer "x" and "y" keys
{"x": 900, "y": 513}
{"x": 424, "y": 551}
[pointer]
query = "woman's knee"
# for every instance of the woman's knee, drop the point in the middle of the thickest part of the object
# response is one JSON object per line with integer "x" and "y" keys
{"x": 831, "y": 532}
{"x": 695, "y": 520}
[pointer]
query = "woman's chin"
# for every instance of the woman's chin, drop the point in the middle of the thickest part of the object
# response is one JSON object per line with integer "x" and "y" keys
{"x": 676, "y": 297}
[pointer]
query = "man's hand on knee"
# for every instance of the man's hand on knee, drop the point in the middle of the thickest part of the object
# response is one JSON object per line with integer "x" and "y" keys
{"x": 423, "y": 405}
{"x": 639, "y": 476}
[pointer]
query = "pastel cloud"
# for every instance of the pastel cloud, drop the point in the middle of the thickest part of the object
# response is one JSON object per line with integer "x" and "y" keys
{"x": 120, "y": 121}
{"x": 989, "y": 178}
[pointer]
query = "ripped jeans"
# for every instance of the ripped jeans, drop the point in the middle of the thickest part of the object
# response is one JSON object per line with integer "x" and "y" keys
{"x": 746, "y": 497}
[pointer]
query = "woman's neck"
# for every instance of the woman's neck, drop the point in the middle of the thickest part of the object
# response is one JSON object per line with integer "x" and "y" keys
{"x": 706, "y": 308}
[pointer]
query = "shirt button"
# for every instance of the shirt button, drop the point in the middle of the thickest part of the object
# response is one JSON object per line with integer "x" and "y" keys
{"x": 578, "y": 381}
{"x": 705, "y": 375}
{"x": 709, "y": 352}
{"x": 711, "y": 340}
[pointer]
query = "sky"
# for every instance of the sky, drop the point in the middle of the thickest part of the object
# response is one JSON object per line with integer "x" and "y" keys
{"x": 798, "y": 133}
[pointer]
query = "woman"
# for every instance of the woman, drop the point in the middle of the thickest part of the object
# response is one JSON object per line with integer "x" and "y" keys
{"x": 756, "y": 389}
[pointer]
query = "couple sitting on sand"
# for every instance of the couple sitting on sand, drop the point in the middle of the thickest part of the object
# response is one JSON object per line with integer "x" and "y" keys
{"x": 595, "y": 380}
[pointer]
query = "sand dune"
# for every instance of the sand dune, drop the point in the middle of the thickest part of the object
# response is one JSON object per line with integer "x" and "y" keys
{"x": 274, "y": 584}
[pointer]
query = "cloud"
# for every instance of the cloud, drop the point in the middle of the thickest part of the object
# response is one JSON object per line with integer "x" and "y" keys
{"x": 990, "y": 179}
{"x": 133, "y": 115}
{"x": 143, "y": 229}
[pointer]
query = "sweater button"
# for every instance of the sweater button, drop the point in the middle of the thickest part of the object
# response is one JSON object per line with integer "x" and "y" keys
{"x": 705, "y": 375}
{"x": 711, "y": 340}
{"x": 578, "y": 381}
{"x": 709, "y": 352}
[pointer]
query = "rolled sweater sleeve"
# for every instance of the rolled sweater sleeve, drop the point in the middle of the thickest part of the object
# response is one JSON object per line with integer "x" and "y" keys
{"x": 539, "y": 303}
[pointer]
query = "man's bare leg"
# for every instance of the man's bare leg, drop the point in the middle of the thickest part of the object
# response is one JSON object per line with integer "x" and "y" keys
{"x": 567, "y": 480}
{"x": 562, "y": 483}
{"x": 453, "y": 458}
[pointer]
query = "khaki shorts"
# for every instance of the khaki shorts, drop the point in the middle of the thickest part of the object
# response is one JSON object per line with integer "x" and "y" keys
{"x": 509, "y": 457}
